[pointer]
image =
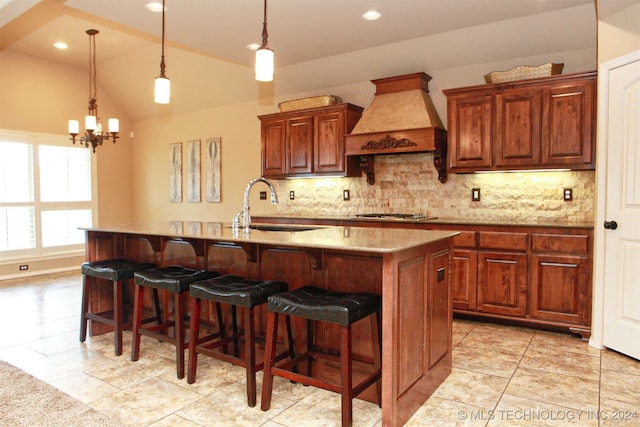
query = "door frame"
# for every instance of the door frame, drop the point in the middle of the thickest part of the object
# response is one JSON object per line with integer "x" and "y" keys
{"x": 597, "y": 326}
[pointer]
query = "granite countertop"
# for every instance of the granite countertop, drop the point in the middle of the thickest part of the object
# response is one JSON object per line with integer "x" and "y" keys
{"x": 369, "y": 239}
{"x": 436, "y": 220}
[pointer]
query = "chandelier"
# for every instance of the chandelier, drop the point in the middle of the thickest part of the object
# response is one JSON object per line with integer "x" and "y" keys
{"x": 93, "y": 134}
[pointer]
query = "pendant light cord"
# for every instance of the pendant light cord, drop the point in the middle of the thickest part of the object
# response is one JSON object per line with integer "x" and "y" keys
{"x": 162, "y": 64}
{"x": 93, "y": 88}
{"x": 264, "y": 27}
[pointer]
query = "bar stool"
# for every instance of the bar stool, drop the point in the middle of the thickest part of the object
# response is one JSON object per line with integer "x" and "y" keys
{"x": 174, "y": 279}
{"x": 341, "y": 309}
{"x": 117, "y": 271}
{"x": 234, "y": 291}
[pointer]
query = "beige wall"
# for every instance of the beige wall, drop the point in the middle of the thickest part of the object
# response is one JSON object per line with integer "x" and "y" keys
{"x": 619, "y": 33}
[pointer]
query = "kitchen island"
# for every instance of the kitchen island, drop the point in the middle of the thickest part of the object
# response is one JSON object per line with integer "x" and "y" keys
{"x": 410, "y": 269}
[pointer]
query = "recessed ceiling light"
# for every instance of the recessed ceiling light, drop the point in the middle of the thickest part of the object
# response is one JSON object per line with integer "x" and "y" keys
{"x": 154, "y": 6}
{"x": 371, "y": 15}
{"x": 253, "y": 46}
{"x": 60, "y": 45}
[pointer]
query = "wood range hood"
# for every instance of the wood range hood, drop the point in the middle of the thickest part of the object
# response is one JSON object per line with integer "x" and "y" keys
{"x": 400, "y": 119}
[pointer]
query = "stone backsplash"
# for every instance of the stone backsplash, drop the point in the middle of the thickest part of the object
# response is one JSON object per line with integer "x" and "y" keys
{"x": 409, "y": 183}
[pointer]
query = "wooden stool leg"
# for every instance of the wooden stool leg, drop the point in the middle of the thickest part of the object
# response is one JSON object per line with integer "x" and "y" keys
{"x": 221, "y": 328}
{"x": 84, "y": 308}
{"x": 376, "y": 334}
{"x": 234, "y": 331}
{"x": 309, "y": 346}
{"x": 250, "y": 355}
{"x": 346, "y": 376}
{"x": 179, "y": 334}
{"x": 292, "y": 350}
{"x": 269, "y": 359}
{"x": 137, "y": 321}
{"x": 117, "y": 316}
{"x": 156, "y": 303}
{"x": 194, "y": 331}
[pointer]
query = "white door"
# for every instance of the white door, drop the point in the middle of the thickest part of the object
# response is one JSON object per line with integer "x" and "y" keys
{"x": 621, "y": 212}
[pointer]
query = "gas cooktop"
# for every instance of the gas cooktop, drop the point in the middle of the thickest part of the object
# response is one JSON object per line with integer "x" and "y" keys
{"x": 394, "y": 215}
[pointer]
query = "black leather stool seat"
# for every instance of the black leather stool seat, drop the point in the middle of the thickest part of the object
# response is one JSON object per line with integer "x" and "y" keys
{"x": 325, "y": 306}
{"x": 172, "y": 278}
{"x": 114, "y": 269}
{"x": 118, "y": 271}
{"x": 176, "y": 280}
{"x": 318, "y": 305}
{"x": 236, "y": 290}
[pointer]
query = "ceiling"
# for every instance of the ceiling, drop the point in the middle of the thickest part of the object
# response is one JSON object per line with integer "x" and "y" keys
{"x": 301, "y": 32}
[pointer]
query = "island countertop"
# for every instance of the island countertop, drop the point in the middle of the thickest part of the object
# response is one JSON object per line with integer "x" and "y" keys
{"x": 378, "y": 240}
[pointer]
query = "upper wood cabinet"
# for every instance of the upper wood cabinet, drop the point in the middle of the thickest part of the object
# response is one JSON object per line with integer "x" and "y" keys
{"x": 308, "y": 142}
{"x": 532, "y": 124}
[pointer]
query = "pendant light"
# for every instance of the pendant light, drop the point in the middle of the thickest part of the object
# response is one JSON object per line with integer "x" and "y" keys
{"x": 93, "y": 134}
{"x": 162, "y": 89}
{"x": 264, "y": 55}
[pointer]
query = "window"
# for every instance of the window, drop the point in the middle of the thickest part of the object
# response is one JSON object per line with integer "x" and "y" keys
{"x": 45, "y": 194}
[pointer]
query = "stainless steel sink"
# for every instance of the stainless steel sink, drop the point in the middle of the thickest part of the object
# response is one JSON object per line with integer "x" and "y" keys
{"x": 274, "y": 227}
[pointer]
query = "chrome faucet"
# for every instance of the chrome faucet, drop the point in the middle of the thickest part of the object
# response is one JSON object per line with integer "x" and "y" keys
{"x": 246, "y": 216}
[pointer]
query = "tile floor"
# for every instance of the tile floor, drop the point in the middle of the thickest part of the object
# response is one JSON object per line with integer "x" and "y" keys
{"x": 502, "y": 376}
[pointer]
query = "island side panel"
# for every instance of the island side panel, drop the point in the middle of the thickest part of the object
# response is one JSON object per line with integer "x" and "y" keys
{"x": 417, "y": 316}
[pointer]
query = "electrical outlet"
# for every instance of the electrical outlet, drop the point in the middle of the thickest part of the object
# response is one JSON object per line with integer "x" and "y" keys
{"x": 24, "y": 267}
{"x": 346, "y": 195}
{"x": 263, "y": 195}
{"x": 475, "y": 194}
{"x": 292, "y": 195}
{"x": 567, "y": 194}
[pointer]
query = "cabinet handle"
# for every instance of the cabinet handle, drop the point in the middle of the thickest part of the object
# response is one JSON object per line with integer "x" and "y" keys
{"x": 610, "y": 225}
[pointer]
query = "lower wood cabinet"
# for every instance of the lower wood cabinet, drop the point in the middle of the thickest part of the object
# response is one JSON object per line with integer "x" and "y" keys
{"x": 502, "y": 283}
{"x": 560, "y": 279}
{"x": 463, "y": 282}
{"x": 529, "y": 275}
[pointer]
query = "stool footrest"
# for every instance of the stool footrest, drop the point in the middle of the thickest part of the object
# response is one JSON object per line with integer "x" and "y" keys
{"x": 157, "y": 335}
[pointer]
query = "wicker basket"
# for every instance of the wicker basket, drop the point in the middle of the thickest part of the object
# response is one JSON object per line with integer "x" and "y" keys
{"x": 524, "y": 72}
{"x": 311, "y": 102}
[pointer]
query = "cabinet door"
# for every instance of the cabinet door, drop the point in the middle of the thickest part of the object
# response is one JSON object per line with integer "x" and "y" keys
{"x": 463, "y": 280}
{"x": 470, "y": 131}
{"x": 518, "y": 127}
{"x": 299, "y": 145}
{"x": 328, "y": 145}
{"x": 502, "y": 283}
{"x": 568, "y": 130}
{"x": 560, "y": 288}
{"x": 273, "y": 147}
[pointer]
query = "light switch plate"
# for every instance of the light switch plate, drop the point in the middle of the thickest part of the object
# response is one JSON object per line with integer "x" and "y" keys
{"x": 346, "y": 195}
{"x": 475, "y": 194}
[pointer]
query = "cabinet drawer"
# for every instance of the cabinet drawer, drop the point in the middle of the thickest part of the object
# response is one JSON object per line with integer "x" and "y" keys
{"x": 466, "y": 239}
{"x": 502, "y": 240}
{"x": 560, "y": 243}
